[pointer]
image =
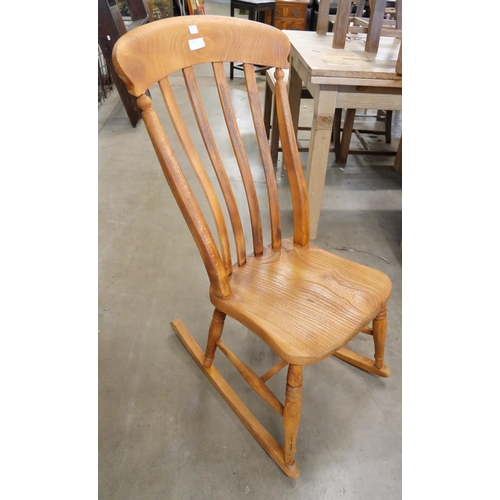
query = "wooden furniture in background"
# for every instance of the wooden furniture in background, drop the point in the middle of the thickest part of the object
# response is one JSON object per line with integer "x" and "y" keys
{"x": 256, "y": 12}
{"x": 289, "y": 15}
{"x": 344, "y": 22}
{"x": 349, "y": 78}
{"x": 305, "y": 303}
{"x": 341, "y": 134}
{"x": 196, "y": 7}
{"x": 375, "y": 27}
{"x": 111, "y": 27}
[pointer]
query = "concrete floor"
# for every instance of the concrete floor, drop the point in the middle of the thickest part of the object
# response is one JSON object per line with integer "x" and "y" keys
{"x": 164, "y": 431}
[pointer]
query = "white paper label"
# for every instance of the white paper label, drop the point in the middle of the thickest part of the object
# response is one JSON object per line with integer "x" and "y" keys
{"x": 193, "y": 30}
{"x": 197, "y": 43}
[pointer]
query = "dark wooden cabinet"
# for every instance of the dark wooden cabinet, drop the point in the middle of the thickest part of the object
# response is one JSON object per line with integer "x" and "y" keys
{"x": 289, "y": 15}
{"x": 110, "y": 28}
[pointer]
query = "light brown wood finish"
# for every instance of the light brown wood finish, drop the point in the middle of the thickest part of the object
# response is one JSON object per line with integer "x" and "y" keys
{"x": 258, "y": 431}
{"x": 274, "y": 370}
{"x": 265, "y": 154}
{"x": 194, "y": 158}
{"x": 379, "y": 332}
{"x": 329, "y": 298}
{"x": 241, "y": 158}
{"x": 214, "y": 334}
{"x": 255, "y": 382}
{"x": 303, "y": 302}
{"x": 215, "y": 158}
{"x": 291, "y": 412}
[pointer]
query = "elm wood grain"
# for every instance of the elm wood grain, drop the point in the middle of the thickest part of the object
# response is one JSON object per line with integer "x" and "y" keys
{"x": 303, "y": 302}
{"x": 329, "y": 298}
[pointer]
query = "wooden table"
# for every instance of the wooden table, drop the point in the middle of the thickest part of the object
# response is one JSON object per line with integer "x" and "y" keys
{"x": 348, "y": 78}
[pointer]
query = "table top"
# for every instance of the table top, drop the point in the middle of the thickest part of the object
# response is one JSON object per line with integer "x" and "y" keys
{"x": 323, "y": 62}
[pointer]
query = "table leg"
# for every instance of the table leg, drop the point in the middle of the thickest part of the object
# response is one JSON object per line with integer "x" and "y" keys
{"x": 294, "y": 92}
{"x": 319, "y": 148}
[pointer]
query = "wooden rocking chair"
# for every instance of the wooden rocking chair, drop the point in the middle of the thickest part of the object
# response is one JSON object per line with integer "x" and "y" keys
{"x": 305, "y": 303}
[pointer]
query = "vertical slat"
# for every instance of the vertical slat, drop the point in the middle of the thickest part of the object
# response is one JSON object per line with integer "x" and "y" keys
{"x": 265, "y": 154}
{"x": 300, "y": 202}
{"x": 208, "y": 139}
{"x": 186, "y": 200}
{"x": 191, "y": 153}
{"x": 241, "y": 157}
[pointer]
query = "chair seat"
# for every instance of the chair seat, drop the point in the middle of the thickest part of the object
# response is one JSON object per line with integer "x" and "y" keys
{"x": 304, "y": 302}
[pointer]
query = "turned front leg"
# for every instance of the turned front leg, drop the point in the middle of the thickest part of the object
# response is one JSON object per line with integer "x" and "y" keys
{"x": 214, "y": 334}
{"x": 379, "y": 332}
{"x": 291, "y": 412}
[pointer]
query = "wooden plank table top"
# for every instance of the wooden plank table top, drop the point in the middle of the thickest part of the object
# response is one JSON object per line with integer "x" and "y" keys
{"x": 321, "y": 60}
{"x": 348, "y": 78}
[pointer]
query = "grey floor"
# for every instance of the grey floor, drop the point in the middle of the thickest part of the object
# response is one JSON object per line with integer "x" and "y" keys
{"x": 164, "y": 432}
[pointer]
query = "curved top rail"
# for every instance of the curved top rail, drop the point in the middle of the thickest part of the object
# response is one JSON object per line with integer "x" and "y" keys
{"x": 190, "y": 40}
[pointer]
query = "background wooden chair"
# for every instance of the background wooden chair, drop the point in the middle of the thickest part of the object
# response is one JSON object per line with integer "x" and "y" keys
{"x": 347, "y": 24}
{"x": 305, "y": 303}
{"x": 350, "y": 22}
{"x": 111, "y": 26}
{"x": 341, "y": 134}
